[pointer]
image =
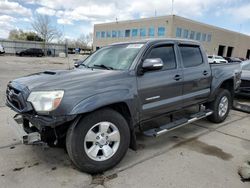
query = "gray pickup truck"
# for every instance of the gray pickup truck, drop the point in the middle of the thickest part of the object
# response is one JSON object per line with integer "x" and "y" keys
{"x": 95, "y": 109}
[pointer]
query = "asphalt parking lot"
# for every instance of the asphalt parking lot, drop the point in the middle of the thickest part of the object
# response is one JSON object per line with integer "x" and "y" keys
{"x": 201, "y": 154}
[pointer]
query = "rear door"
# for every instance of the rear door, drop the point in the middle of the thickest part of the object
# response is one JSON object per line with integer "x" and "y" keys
{"x": 196, "y": 74}
{"x": 160, "y": 91}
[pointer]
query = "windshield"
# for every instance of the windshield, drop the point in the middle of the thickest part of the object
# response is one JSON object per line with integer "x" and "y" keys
{"x": 246, "y": 66}
{"x": 118, "y": 57}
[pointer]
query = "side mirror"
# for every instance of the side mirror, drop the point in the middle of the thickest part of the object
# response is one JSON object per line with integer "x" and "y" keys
{"x": 152, "y": 64}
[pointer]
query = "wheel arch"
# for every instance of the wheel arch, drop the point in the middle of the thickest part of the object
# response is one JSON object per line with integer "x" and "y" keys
{"x": 227, "y": 84}
{"x": 125, "y": 111}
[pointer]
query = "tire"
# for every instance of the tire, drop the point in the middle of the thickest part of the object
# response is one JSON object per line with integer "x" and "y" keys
{"x": 78, "y": 146}
{"x": 220, "y": 113}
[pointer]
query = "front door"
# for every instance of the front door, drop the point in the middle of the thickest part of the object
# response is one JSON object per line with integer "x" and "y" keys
{"x": 160, "y": 91}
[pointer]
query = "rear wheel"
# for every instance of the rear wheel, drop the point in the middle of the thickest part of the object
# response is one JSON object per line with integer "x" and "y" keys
{"x": 98, "y": 141}
{"x": 220, "y": 106}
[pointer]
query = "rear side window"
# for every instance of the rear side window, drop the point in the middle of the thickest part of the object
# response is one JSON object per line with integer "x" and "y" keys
{"x": 191, "y": 56}
{"x": 167, "y": 55}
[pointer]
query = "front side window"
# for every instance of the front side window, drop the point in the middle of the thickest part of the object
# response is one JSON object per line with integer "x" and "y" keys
{"x": 143, "y": 32}
{"x": 118, "y": 57}
{"x": 166, "y": 54}
{"x": 178, "y": 32}
{"x": 191, "y": 56}
{"x": 151, "y": 32}
{"x": 134, "y": 32}
{"x": 161, "y": 31}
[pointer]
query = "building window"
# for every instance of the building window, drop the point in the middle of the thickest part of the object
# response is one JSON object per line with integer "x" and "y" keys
{"x": 178, "y": 32}
{"x": 192, "y": 35}
{"x": 120, "y": 34}
{"x": 134, "y": 32}
{"x": 161, "y": 31}
{"x": 209, "y": 37}
{"x": 185, "y": 33}
{"x": 151, "y": 31}
{"x": 127, "y": 33}
{"x": 198, "y": 36}
{"x": 204, "y": 36}
{"x": 98, "y": 34}
{"x": 114, "y": 34}
{"x": 108, "y": 34}
{"x": 103, "y": 34}
{"x": 143, "y": 32}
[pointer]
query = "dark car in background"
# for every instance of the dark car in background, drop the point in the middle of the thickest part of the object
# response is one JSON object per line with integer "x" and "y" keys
{"x": 244, "y": 89}
{"x": 233, "y": 59}
{"x": 31, "y": 52}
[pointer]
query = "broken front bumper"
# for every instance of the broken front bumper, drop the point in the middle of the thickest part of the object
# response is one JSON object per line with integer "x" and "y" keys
{"x": 26, "y": 138}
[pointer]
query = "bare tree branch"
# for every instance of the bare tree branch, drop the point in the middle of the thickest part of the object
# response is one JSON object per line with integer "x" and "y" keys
{"x": 45, "y": 29}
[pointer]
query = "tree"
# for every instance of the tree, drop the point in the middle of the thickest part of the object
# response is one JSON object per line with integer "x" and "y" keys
{"x": 85, "y": 40}
{"x": 16, "y": 34}
{"x": 45, "y": 29}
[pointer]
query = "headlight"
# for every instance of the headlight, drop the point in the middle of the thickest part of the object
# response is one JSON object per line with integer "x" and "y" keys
{"x": 45, "y": 101}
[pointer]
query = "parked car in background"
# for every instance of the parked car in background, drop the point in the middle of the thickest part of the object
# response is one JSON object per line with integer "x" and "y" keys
{"x": 31, "y": 52}
{"x": 216, "y": 59}
{"x": 2, "y": 51}
{"x": 233, "y": 59}
{"x": 244, "y": 89}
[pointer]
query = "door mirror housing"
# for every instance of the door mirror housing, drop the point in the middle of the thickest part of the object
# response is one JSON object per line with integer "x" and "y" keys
{"x": 152, "y": 64}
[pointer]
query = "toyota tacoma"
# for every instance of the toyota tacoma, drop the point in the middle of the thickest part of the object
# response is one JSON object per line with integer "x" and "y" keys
{"x": 96, "y": 109}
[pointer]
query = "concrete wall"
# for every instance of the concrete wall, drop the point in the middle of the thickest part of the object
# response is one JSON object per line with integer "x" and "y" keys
{"x": 219, "y": 36}
{"x": 11, "y": 46}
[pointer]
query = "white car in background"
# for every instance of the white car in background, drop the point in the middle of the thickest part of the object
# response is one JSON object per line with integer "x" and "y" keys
{"x": 216, "y": 59}
{"x": 2, "y": 51}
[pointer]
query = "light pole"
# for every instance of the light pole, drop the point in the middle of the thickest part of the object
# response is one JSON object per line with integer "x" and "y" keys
{"x": 172, "y": 10}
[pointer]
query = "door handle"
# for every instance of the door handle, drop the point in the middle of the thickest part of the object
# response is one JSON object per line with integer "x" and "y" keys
{"x": 205, "y": 73}
{"x": 177, "y": 77}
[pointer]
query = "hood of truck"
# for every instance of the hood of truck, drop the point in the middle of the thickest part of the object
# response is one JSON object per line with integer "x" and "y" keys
{"x": 67, "y": 79}
{"x": 77, "y": 84}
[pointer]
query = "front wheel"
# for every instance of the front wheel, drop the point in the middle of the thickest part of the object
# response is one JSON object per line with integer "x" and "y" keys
{"x": 98, "y": 141}
{"x": 220, "y": 106}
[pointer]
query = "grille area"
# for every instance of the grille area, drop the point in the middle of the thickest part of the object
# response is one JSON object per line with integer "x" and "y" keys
{"x": 15, "y": 98}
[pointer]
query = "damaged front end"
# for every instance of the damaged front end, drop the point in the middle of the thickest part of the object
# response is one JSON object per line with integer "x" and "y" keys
{"x": 31, "y": 127}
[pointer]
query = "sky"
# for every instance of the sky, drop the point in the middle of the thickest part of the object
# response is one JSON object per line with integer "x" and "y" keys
{"x": 76, "y": 17}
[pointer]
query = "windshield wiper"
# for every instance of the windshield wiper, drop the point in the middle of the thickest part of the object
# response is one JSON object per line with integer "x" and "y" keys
{"x": 104, "y": 66}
